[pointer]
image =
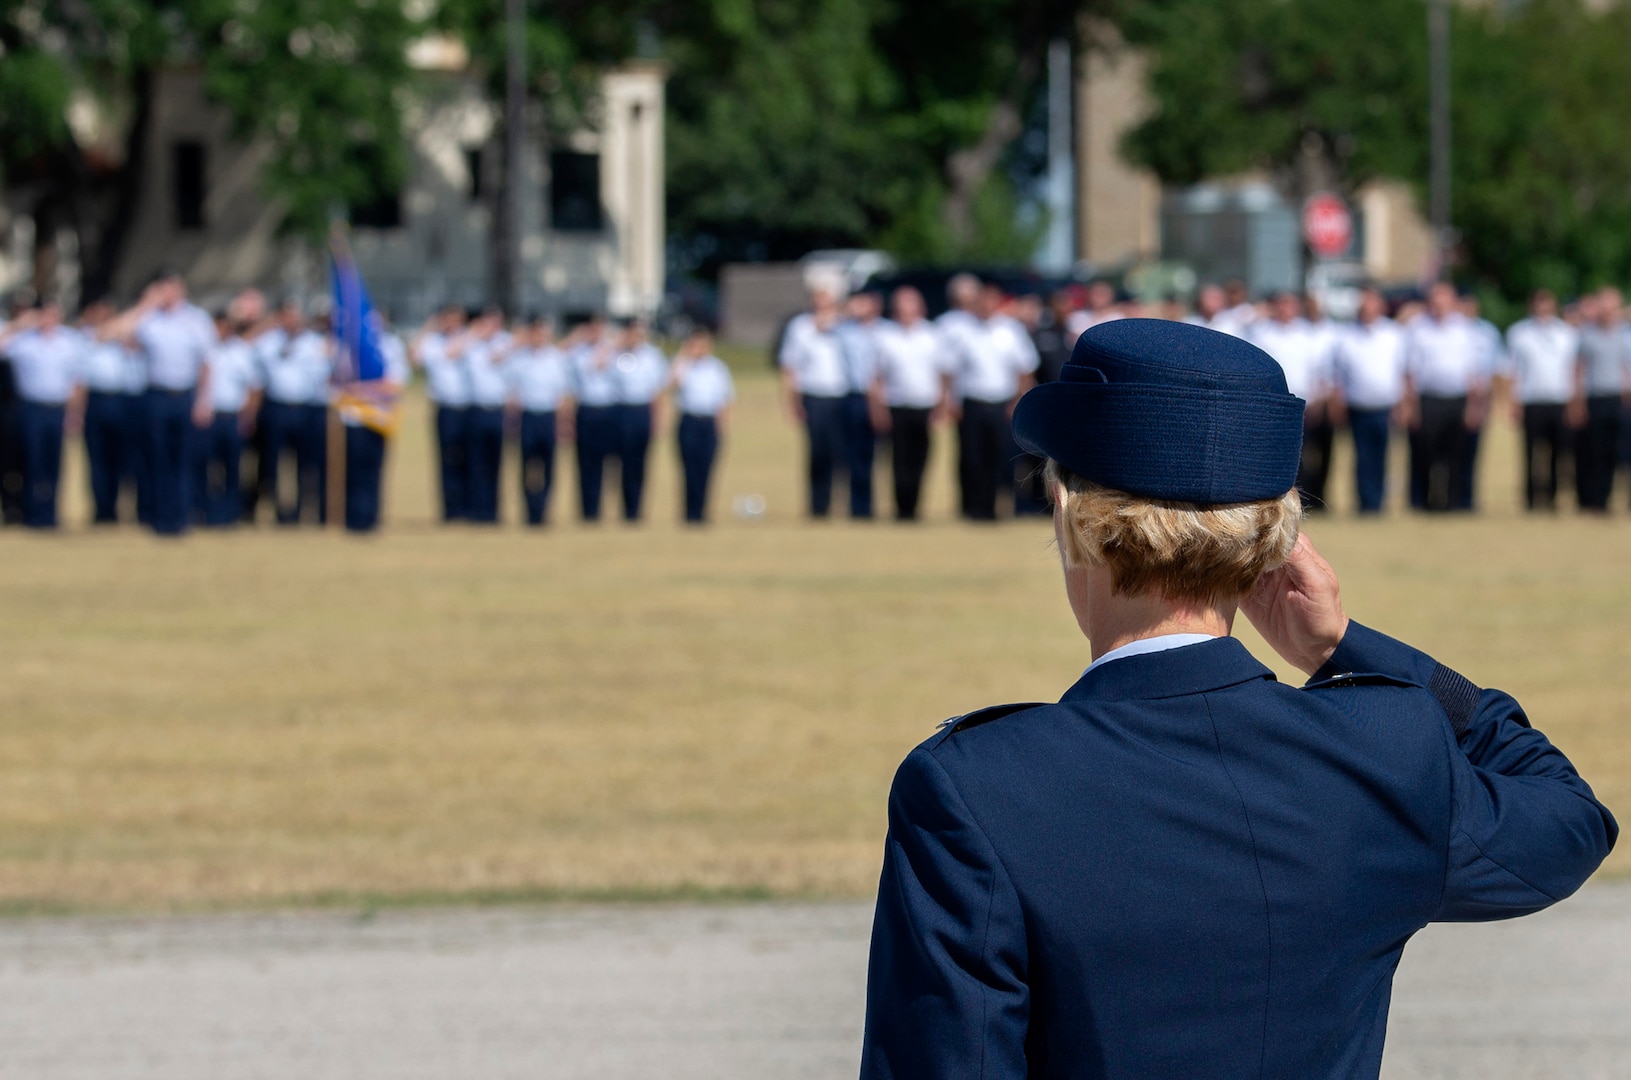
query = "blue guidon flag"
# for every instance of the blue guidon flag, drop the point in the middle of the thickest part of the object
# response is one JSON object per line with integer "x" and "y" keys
{"x": 365, "y": 393}
{"x": 354, "y": 325}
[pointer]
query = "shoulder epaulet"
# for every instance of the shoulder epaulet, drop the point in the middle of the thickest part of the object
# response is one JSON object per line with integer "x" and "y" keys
{"x": 1360, "y": 678}
{"x": 985, "y": 716}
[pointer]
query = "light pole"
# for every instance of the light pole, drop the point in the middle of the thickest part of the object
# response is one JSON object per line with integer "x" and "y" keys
{"x": 508, "y": 221}
{"x": 1438, "y": 122}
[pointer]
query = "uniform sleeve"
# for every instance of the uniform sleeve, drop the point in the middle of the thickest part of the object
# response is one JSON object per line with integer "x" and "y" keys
{"x": 946, "y": 985}
{"x": 1525, "y": 829}
{"x": 1512, "y": 353}
{"x": 1412, "y": 354}
{"x": 949, "y": 349}
{"x": 788, "y": 356}
{"x": 1026, "y": 358}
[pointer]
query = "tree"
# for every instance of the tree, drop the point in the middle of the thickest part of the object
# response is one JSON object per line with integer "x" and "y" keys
{"x": 1543, "y": 193}
{"x": 320, "y": 81}
{"x": 803, "y": 123}
{"x": 1316, "y": 94}
{"x": 567, "y": 43}
{"x": 1333, "y": 93}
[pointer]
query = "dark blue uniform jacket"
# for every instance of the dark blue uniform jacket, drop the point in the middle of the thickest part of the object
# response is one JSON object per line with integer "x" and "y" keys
{"x": 1186, "y": 869}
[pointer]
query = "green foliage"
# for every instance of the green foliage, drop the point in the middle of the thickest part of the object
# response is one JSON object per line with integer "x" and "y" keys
{"x": 568, "y": 42}
{"x": 796, "y": 123}
{"x": 322, "y": 82}
{"x": 792, "y": 122}
{"x": 1336, "y": 91}
{"x": 1261, "y": 84}
{"x": 1546, "y": 194}
{"x": 34, "y": 97}
{"x": 780, "y": 121}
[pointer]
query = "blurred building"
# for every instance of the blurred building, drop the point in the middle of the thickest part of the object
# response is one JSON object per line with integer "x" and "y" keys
{"x": 592, "y": 222}
{"x": 1238, "y": 228}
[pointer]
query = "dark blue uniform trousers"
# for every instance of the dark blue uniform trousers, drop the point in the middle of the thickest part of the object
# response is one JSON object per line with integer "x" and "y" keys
{"x": 537, "y": 464}
{"x": 824, "y": 423}
{"x": 982, "y": 453}
{"x": 1186, "y": 869}
{"x": 12, "y": 477}
{"x": 113, "y": 436}
{"x": 170, "y": 445}
{"x": 1596, "y": 454}
{"x": 860, "y": 451}
{"x": 1370, "y": 429}
{"x": 634, "y": 446}
{"x": 484, "y": 459}
{"x": 699, "y": 446}
{"x": 313, "y": 459}
{"x": 599, "y": 437}
{"x": 280, "y": 430}
{"x": 451, "y": 447}
{"x": 300, "y": 431}
{"x": 364, "y": 471}
{"x": 42, "y": 462}
{"x": 909, "y": 451}
{"x": 219, "y": 490}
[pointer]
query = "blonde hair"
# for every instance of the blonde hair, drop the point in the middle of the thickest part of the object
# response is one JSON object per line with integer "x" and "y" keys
{"x": 1183, "y": 552}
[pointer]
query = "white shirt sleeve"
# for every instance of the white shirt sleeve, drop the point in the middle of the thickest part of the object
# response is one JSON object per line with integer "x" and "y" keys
{"x": 791, "y": 357}
{"x": 1027, "y": 359}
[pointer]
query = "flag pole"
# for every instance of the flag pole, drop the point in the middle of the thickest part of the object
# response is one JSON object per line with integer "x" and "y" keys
{"x": 338, "y": 249}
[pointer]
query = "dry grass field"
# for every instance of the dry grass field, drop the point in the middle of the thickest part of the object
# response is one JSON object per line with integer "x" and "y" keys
{"x": 433, "y": 714}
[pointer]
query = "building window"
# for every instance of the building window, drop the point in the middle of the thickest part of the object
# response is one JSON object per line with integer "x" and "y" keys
{"x": 472, "y": 168}
{"x": 574, "y": 192}
{"x": 383, "y": 211}
{"x": 187, "y": 176}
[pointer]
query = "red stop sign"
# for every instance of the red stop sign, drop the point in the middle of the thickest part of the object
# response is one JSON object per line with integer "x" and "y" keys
{"x": 1327, "y": 225}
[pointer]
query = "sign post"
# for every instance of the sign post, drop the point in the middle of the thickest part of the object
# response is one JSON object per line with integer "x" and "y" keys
{"x": 1328, "y": 227}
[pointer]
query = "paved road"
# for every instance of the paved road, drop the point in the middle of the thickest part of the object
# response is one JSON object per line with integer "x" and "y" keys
{"x": 757, "y": 992}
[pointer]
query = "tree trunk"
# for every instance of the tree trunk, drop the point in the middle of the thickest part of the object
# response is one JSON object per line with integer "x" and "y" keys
{"x": 968, "y": 169}
{"x": 102, "y": 245}
{"x": 46, "y": 219}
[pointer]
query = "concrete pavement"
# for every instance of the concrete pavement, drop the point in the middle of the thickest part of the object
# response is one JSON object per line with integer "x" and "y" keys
{"x": 755, "y": 991}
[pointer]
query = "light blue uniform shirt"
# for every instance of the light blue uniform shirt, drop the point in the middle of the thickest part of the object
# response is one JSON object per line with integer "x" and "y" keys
{"x": 594, "y": 376}
{"x": 641, "y": 374}
{"x": 860, "y": 354}
{"x": 538, "y": 378}
{"x": 109, "y": 367}
{"x": 703, "y": 387}
{"x": 395, "y": 355}
{"x": 176, "y": 344}
{"x": 445, "y": 380}
{"x": 234, "y": 374}
{"x": 815, "y": 357}
{"x": 484, "y": 371}
{"x": 295, "y": 371}
{"x": 46, "y": 365}
{"x": 1143, "y": 646}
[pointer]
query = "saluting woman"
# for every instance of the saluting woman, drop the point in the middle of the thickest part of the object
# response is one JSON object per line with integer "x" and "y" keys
{"x": 1185, "y": 868}
{"x": 703, "y": 392}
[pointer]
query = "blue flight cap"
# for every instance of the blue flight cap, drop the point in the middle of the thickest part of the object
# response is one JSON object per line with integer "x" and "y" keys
{"x": 1168, "y": 411}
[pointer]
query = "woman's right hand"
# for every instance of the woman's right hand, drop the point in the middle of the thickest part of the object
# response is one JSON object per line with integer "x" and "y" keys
{"x": 1298, "y": 608}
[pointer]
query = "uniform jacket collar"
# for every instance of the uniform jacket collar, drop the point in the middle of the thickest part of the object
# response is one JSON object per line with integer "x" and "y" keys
{"x": 1193, "y": 669}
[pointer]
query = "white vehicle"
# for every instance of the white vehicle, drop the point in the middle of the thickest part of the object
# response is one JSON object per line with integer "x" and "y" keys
{"x": 856, "y": 265}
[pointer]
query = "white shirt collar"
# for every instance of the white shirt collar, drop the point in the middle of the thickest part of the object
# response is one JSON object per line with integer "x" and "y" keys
{"x": 1160, "y": 643}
